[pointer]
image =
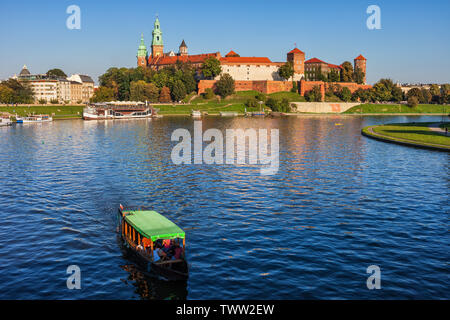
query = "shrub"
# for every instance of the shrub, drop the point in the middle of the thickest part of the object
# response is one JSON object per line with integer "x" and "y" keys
{"x": 251, "y": 103}
{"x": 261, "y": 97}
{"x": 273, "y": 104}
{"x": 54, "y": 101}
{"x": 208, "y": 94}
{"x": 42, "y": 101}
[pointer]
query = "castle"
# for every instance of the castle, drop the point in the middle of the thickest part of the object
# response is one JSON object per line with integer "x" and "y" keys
{"x": 246, "y": 71}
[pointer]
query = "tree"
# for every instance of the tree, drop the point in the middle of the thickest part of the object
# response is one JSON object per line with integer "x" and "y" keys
{"x": 413, "y": 101}
{"x": 103, "y": 94}
{"x": 397, "y": 94}
{"x": 21, "y": 91}
{"x": 178, "y": 90}
{"x": 164, "y": 96}
{"x": 225, "y": 85}
{"x": 56, "y": 73}
{"x": 294, "y": 87}
{"x": 382, "y": 90}
{"x": 211, "y": 68}
{"x": 345, "y": 94}
{"x": 151, "y": 92}
{"x": 286, "y": 71}
{"x": 208, "y": 94}
{"x": 137, "y": 91}
{"x": 415, "y": 92}
{"x": 347, "y": 72}
{"x": 435, "y": 90}
{"x": 426, "y": 96}
{"x": 6, "y": 94}
{"x": 314, "y": 95}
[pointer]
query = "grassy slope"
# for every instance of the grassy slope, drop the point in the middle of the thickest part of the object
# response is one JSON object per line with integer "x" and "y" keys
{"x": 233, "y": 103}
{"x": 415, "y": 132}
{"x": 396, "y": 108}
{"x": 59, "y": 111}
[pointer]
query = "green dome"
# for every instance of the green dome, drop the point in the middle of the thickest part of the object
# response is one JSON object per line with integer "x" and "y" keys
{"x": 142, "y": 51}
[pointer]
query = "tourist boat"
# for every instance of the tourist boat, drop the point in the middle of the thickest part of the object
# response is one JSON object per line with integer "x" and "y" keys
{"x": 5, "y": 121}
{"x": 118, "y": 110}
{"x": 38, "y": 118}
{"x": 142, "y": 232}
{"x": 196, "y": 114}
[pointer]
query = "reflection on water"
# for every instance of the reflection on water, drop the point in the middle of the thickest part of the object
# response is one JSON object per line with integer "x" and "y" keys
{"x": 339, "y": 203}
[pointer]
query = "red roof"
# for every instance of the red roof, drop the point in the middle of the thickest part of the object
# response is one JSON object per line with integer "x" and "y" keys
{"x": 226, "y": 60}
{"x": 360, "y": 57}
{"x": 167, "y": 60}
{"x": 296, "y": 50}
{"x": 231, "y": 54}
{"x": 315, "y": 60}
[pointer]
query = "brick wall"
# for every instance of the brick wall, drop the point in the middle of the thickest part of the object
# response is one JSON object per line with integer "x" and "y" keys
{"x": 266, "y": 86}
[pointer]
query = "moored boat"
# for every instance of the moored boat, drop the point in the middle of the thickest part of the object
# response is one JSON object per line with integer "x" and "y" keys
{"x": 5, "y": 121}
{"x": 118, "y": 110}
{"x": 157, "y": 242}
{"x": 36, "y": 118}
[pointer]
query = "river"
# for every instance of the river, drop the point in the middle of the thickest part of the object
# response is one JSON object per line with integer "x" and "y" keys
{"x": 339, "y": 203}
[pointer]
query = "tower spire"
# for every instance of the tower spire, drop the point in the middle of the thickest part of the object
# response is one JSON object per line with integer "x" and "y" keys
{"x": 142, "y": 53}
{"x": 157, "y": 40}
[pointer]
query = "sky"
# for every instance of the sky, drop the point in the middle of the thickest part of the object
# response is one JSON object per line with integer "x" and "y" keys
{"x": 411, "y": 46}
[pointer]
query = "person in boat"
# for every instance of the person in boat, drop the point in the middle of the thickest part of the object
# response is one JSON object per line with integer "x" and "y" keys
{"x": 158, "y": 253}
{"x": 176, "y": 251}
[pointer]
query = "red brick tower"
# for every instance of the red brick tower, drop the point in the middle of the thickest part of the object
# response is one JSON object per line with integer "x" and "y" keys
{"x": 360, "y": 63}
{"x": 297, "y": 57}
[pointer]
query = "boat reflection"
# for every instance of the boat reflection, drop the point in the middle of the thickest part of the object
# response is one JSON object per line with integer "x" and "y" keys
{"x": 149, "y": 287}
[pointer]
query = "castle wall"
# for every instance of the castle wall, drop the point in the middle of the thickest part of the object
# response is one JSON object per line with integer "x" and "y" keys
{"x": 268, "y": 87}
{"x": 249, "y": 72}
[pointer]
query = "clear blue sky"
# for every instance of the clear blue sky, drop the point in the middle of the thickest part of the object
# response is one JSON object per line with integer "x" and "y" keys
{"x": 412, "y": 46}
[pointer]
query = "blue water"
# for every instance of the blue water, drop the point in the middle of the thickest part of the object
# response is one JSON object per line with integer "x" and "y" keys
{"x": 339, "y": 203}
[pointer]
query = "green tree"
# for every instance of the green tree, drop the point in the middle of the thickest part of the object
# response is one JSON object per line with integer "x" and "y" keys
{"x": 397, "y": 94}
{"x": 346, "y": 94}
{"x": 225, "y": 85}
{"x": 178, "y": 91}
{"x": 137, "y": 90}
{"x": 22, "y": 92}
{"x": 151, "y": 92}
{"x": 415, "y": 92}
{"x": 286, "y": 71}
{"x": 56, "y": 73}
{"x": 6, "y": 94}
{"x": 103, "y": 94}
{"x": 211, "y": 68}
{"x": 294, "y": 87}
{"x": 208, "y": 94}
{"x": 435, "y": 90}
{"x": 314, "y": 95}
{"x": 426, "y": 96}
{"x": 347, "y": 72}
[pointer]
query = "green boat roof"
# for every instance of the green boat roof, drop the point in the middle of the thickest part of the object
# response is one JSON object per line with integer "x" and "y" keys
{"x": 152, "y": 225}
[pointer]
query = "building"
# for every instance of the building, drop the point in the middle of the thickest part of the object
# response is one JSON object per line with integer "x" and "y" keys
{"x": 87, "y": 86}
{"x": 75, "y": 89}
{"x": 250, "y": 73}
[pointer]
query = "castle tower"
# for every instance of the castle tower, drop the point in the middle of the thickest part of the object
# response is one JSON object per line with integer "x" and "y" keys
{"x": 157, "y": 41}
{"x": 361, "y": 64}
{"x": 183, "y": 50}
{"x": 297, "y": 57}
{"x": 142, "y": 53}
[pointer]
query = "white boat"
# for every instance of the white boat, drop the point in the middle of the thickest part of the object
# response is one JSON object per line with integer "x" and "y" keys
{"x": 229, "y": 114}
{"x": 196, "y": 114}
{"x": 117, "y": 110}
{"x": 5, "y": 122}
{"x": 35, "y": 119}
